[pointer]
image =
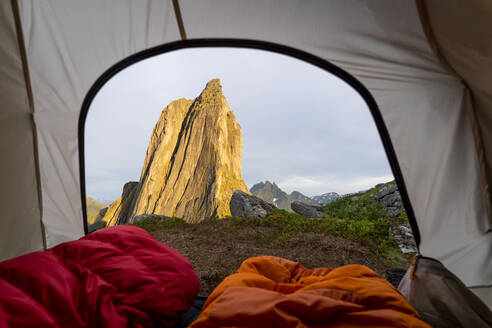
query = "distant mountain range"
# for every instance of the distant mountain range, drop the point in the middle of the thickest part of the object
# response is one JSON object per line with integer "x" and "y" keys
{"x": 326, "y": 198}
{"x": 271, "y": 193}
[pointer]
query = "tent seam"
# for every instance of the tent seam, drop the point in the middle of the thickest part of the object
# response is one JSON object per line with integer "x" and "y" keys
{"x": 467, "y": 103}
{"x": 30, "y": 98}
{"x": 179, "y": 19}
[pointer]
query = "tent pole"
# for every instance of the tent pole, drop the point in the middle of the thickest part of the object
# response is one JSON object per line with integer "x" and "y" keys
{"x": 27, "y": 79}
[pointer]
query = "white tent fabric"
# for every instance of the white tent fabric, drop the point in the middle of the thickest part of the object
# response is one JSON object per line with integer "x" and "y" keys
{"x": 69, "y": 44}
{"x": 20, "y": 223}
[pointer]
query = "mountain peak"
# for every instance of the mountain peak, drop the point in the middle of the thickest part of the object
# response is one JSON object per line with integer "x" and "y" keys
{"x": 212, "y": 90}
{"x": 193, "y": 162}
{"x": 213, "y": 84}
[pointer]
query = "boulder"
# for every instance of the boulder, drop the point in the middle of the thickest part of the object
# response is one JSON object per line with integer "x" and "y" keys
{"x": 311, "y": 211}
{"x": 248, "y": 206}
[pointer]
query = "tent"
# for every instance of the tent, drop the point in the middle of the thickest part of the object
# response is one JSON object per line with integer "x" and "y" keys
{"x": 426, "y": 64}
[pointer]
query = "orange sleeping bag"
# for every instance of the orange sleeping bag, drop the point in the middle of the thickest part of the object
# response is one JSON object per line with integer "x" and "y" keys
{"x": 269, "y": 291}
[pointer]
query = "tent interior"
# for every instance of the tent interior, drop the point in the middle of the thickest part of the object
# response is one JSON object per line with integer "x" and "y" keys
{"x": 427, "y": 65}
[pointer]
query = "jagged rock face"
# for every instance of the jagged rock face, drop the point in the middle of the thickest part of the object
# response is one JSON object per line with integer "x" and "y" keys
{"x": 390, "y": 199}
{"x": 272, "y": 194}
{"x": 193, "y": 162}
{"x": 249, "y": 206}
{"x": 117, "y": 212}
{"x": 309, "y": 211}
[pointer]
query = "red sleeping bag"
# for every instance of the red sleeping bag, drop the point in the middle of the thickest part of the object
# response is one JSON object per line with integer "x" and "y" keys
{"x": 115, "y": 277}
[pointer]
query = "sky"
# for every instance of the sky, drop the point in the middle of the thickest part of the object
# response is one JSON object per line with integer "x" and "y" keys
{"x": 303, "y": 128}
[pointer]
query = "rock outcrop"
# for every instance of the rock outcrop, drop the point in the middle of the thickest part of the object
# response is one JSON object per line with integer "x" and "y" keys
{"x": 390, "y": 199}
{"x": 193, "y": 162}
{"x": 310, "y": 211}
{"x": 249, "y": 206}
{"x": 118, "y": 211}
{"x": 404, "y": 238}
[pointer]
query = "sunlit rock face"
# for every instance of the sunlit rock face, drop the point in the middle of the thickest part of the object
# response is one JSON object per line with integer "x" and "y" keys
{"x": 193, "y": 162}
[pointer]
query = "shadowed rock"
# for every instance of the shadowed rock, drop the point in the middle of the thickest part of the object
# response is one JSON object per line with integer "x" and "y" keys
{"x": 311, "y": 211}
{"x": 390, "y": 199}
{"x": 118, "y": 211}
{"x": 249, "y": 206}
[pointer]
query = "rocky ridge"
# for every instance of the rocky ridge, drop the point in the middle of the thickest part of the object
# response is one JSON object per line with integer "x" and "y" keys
{"x": 271, "y": 193}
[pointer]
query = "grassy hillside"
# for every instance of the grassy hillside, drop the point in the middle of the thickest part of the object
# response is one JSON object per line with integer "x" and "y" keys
{"x": 93, "y": 206}
{"x": 354, "y": 231}
{"x": 360, "y": 206}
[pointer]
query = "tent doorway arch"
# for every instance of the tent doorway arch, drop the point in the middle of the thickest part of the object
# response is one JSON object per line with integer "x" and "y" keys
{"x": 258, "y": 45}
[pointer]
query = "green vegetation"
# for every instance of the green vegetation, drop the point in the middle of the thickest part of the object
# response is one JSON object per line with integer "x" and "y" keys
{"x": 356, "y": 218}
{"x": 96, "y": 226}
{"x": 280, "y": 225}
{"x": 364, "y": 208}
{"x": 355, "y": 230}
{"x": 157, "y": 222}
